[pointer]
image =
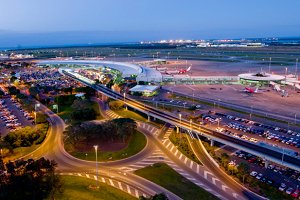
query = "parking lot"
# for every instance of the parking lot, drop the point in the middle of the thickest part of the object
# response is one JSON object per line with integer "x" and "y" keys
{"x": 13, "y": 116}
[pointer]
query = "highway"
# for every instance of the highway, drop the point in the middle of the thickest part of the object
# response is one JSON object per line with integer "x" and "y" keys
{"x": 168, "y": 117}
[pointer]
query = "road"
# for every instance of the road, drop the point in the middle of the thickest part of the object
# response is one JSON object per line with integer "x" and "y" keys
{"x": 261, "y": 151}
{"x": 53, "y": 148}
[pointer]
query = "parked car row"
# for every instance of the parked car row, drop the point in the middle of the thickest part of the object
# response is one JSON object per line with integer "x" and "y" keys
{"x": 240, "y": 136}
{"x": 11, "y": 121}
{"x": 26, "y": 114}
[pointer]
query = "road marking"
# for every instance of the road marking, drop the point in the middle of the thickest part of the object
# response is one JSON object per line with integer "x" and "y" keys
{"x": 95, "y": 177}
{"x": 221, "y": 147}
{"x": 172, "y": 148}
{"x": 180, "y": 156}
{"x": 103, "y": 179}
{"x": 169, "y": 144}
{"x": 176, "y": 152}
{"x": 191, "y": 165}
{"x": 153, "y": 129}
{"x": 136, "y": 193}
{"x": 206, "y": 173}
{"x": 235, "y": 195}
{"x": 234, "y": 152}
{"x": 185, "y": 160}
{"x": 71, "y": 174}
{"x": 88, "y": 176}
{"x": 120, "y": 185}
{"x": 111, "y": 182}
{"x": 148, "y": 129}
{"x": 128, "y": 189}
{"x": 164, "y": 141}
{"x": 214, "y": 180}
{"x": 79, "y": 174}
{"x": 224, "y": 187}
{"x": 144, "y": 125}
{"x": 197, "y": 169}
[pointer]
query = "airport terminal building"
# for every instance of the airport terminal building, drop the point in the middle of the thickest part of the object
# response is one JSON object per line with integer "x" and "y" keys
{"x": 259, "y": 79}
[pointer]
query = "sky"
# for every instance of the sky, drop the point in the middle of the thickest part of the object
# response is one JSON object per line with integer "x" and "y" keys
{"x": 134, "y": 20}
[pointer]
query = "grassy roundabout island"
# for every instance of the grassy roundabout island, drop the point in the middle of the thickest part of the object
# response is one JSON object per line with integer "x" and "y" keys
{"x": 117, "y": 139}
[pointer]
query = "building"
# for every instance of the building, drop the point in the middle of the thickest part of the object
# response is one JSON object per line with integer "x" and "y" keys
{"x": 260, "y": 78}
{"x": 145, "y": 90}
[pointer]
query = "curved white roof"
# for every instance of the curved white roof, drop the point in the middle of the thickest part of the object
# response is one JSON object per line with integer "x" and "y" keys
{"x": 127, "y": 69}
{"x": 263, "y": 77}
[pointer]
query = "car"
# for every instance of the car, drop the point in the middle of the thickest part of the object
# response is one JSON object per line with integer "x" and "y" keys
{"x": 253, "y": 173}
{"x": 298, "y": 179}
{"x": 289, "y": 190}
{"x": 271, "y": 167}
{"x": 259, "y": 176}
{"x": 282, "y": 187}
{"x": 295, "y": 194}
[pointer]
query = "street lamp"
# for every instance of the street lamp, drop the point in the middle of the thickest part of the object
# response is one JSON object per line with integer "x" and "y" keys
{"x": 96, "y": 148}
{"x": 180, "y": 125}
{"x": 124, "y": 94}
{"x": 35, "y": 107}
{"x": 214, "y": 107}
{"x": 295, "y": 118}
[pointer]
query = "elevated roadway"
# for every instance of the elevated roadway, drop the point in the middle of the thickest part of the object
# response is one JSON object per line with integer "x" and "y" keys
{"x": 263, "y": 152}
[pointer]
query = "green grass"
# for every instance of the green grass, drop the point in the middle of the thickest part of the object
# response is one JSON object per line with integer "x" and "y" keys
{"x": 78, "y": 188}
{"x": 20, "y": 152}
{"x": 65, "y": 111}
{"x": 137, "y": 143}
{"x": 130, "y": 114}
{"x": 168, "y": 178}
{"x": 183, "y": 146}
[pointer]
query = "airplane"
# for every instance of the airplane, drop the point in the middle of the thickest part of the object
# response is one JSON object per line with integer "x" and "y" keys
{"x": 181, "y": 71}
{"x": 250, "y": 90}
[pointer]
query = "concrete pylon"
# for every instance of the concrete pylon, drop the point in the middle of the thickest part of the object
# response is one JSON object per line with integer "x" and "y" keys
{"x": 149, "y": 118}
{"x": 266, "y": 163}
{"x": 177, "y": 129}
{"x": 211, "y": 142}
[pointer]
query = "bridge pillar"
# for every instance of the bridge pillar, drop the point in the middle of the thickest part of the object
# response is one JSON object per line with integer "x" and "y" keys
{"x": 149, "y": 118}
{"x": 266, "y": 163}
{"x": 177, "y": 129}
{"x": 211, "y": 143}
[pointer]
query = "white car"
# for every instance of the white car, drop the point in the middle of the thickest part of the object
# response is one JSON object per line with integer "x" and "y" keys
{"x": 253, "y": 173}
{"x": 289, "y": 190}
{"x": 282, "y": 187}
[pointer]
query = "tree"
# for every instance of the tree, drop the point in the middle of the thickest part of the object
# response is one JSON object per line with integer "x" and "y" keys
{"x": 224, "y": 159}
{"x": 160, "y": 196}
{"x": 116, "y": 105}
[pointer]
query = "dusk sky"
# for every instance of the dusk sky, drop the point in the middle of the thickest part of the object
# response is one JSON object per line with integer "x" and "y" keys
{"x": 134, "y": 20}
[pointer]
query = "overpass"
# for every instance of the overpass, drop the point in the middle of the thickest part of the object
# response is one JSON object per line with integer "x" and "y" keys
{"x": 260, "y": 151}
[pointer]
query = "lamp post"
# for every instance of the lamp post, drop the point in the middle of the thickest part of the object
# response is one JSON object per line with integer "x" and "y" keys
{"x": 295, "y": 118}
{"x": 191, "y": 127}
{"x": 180, "y": 125}
{"x": 214, "y": 107}
{"x": 96, "y": 148}
{"x": 35, "y": 107}
{"x": 282, "y": 156}
{"x": 124, "y": 95}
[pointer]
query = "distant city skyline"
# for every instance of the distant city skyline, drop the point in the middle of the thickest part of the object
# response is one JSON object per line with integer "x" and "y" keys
{"x": 57, "y": 22}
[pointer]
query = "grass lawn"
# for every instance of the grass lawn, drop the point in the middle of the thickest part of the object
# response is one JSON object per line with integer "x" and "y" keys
{"x": 183, "y": 146}
{"x": 65, "y": 111}
{"x": 165, "y": 176}
{"x": 136, "y": 143}
{"x": 20, "y": 151}
{"x": 78, "y": 188}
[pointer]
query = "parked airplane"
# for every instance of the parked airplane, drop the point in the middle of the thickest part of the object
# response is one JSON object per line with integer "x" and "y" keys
{"x": 181, "y": 71}
{"x": 250, "y": 90}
